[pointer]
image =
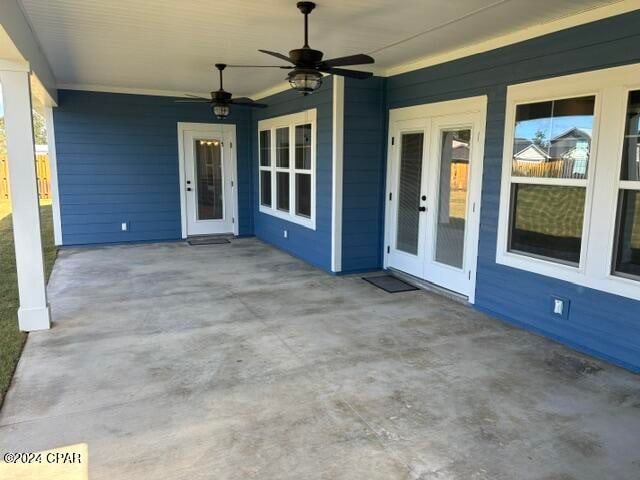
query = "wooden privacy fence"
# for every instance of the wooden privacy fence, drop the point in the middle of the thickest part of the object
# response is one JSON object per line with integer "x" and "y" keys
{"x": 42, "y": 172}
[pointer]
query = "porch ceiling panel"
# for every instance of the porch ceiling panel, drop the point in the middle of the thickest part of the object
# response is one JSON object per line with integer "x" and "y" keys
{"x": 172, "y": 45}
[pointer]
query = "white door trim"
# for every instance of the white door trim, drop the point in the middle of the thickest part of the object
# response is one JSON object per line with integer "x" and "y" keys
{"x": 476, "y": 105}
{"x": 227, "y": 129}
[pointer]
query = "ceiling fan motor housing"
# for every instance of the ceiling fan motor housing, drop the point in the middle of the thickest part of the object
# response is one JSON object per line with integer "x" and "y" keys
{"x": 305, "y": 57}
{"x": 220, "y": 97}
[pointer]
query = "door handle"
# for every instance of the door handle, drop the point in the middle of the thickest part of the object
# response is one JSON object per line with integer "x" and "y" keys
{"x": 422, "y": 209}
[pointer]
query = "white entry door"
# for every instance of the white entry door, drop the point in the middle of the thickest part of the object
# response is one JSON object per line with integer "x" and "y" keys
{"x": 435, "y": 170}
{"x": 208, "y": 179}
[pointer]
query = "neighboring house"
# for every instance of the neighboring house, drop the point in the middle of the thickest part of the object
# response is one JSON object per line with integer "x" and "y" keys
{"x": 569, "y": 150}
{"x": 532, "y": 153}
{"x": 349, "y": 179}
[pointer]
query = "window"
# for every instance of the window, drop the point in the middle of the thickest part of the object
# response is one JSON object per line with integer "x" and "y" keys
{"x": 626, "y": 261}
{"x": 287, "y": 187}
{"x": 570, "y": 192}
{"x": 265, "y": 168}
{"x": 551, "y": 150}
{"x": 303, "y": 170}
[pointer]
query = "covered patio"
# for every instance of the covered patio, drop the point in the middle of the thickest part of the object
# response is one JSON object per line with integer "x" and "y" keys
{"x": 239, "y": 361}
{"x": 485, "y": 151}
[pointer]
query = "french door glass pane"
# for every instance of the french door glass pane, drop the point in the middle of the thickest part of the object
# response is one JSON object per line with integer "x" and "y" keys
{"x": 631, "y": 148}
{"x": 553, "y": 139}
{"x": 265, "y": 188}
{"x": 546, "y": 221}
{"x": 303, "y": 147}
{"x": 627, "y": 261}
{"x": 303, "y": 194}
{"x": 265, "y": 148}
{"x": 209, "y": 179}
{"x": 452, "y": 198}
{"x": 409, "y": 192}
{"x": 282, "y": 188}
{"x": 282, "y": 147}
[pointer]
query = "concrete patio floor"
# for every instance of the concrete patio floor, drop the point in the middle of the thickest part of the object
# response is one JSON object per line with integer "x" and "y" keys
{"x": 238, "y": 361}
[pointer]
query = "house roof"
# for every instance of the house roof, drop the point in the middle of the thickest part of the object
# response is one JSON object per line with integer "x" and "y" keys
{"x": 531, "y": 153}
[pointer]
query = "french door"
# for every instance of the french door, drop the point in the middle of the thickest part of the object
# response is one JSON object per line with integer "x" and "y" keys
{"x": 208, "y": 179}
{"x": 433, "y": 192}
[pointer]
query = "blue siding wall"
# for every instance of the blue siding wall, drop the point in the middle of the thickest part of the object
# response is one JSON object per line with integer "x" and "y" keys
{"x": 118, "y": 161}
{"x": 599, "y": 323}
{"x": 363, "y": 174}
{"x": 313, "y": 246}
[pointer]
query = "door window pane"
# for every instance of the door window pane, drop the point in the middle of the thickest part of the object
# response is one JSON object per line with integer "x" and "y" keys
{"x": 265, "y": 148}
{"x": 452, "y": 198}
{"x": 303, "y": 194}
{"x": 265, "y": 188}
{"x": 282, "y": 147}
{"x": 631, "y": 149}
{"x": 282, "y": 187}
{"x": 553, "y": 139}
{"x": 627, "y": 261}
{"x": 409, "y": 192}
{"x": 546, "y": 221}
{"x": 303, "y": 147}
{"x": 209, "y": 179}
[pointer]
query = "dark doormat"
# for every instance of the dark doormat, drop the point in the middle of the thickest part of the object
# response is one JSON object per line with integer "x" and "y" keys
{"x": 390, "y": 284}
{"x": 207, "y": 241}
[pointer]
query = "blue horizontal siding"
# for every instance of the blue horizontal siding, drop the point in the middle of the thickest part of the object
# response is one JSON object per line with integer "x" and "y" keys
{"x": 363, "y": 174}
{"x": 118, "y": 162}
{"x": 313, "y": 246}
{"x": 599, "y": 323}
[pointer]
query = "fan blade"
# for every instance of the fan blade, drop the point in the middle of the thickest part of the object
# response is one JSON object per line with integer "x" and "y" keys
{"x": 277, "y": 55}
{"x": 347, "y": 73}
{"x": 288, "y": 67}
{"x": 359, "y": 59}
{"x": 247, "y": 102}
{"x": 196, "y": 96}
{"x": 194, "y": 100}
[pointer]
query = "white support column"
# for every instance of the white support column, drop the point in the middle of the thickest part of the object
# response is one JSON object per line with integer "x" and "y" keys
{"x": 53, "y": 167}
{"x": 337, "y": 152}
{"x": 33, "y": 313}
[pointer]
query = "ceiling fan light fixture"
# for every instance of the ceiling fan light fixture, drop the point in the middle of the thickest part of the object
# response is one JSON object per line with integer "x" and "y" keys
{"x": 221, "y": 111}
{"x": 305, "y": 81}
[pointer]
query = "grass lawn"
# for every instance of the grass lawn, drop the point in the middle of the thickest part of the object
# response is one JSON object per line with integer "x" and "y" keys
{"x": 11, "y": 339}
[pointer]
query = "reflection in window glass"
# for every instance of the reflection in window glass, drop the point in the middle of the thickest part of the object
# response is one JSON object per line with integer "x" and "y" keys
{"x": 627, "y": 260}
{"x": 265, "y": 188}
{"x": 282, "y": 189}
{"x": 303, "y": 147}
{"x": 553, "y": 139}
{"x": 265, "y": 148}
{"x": 303, "y": 194}
{"x": 546, "y": 221}
{"x": 631, "y": 149}
{"x": 452, "y": 198}
{"x": 282, "y": 147}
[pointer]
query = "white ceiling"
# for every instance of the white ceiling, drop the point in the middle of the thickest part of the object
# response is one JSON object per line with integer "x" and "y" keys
{"x": 172, "y": 45}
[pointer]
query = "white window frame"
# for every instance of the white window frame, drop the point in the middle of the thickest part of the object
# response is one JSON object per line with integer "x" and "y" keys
{"x": 289, "y": 121}
{"x": 610, "y": 87}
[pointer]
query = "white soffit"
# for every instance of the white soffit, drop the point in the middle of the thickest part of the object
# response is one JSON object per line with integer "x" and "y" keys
{"x": 167, "y": 47}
